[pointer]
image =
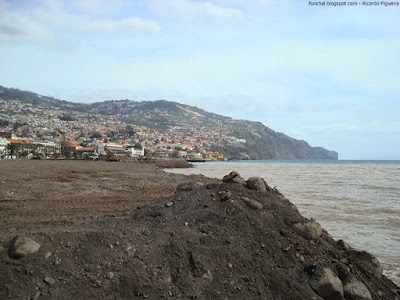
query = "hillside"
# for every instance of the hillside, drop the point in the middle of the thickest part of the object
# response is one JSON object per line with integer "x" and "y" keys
{"x": 234, "y": 138}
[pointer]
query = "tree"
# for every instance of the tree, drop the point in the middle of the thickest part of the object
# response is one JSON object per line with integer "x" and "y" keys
{"x": 175, "y": 154}
{"x": 96, "y": 135}
{"x": 137, "y": 146}
{"x": 12, "y": 148}
{"x": 65, "y": 149}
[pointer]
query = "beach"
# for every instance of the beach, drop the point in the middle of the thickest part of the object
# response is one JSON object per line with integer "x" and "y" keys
{"x": 111, "y": 230}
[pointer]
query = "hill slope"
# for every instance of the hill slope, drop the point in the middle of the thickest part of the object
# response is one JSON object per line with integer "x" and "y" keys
{"x": 253, "y": 139}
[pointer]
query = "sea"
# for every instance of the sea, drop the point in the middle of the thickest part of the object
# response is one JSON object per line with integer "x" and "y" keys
{"x": 354, "y": 200}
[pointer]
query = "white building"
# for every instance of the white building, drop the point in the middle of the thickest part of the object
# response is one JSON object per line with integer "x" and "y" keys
{"x": 132, "y": 152}
{"x": 47, "y": 147}
{"x": 3, "y": 144}
{"x": 100, "y": 149}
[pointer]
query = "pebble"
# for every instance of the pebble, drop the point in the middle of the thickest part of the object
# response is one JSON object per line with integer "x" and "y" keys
{"x": 49, "y": 280}
{"x": 226, "y": 196}
{"x": 110, "y": 275}
{"x": 186, "y": 223}
{"x": 47, "y": 255}
{"x": 230, "y": 265}
{"x": 169, "y": 204}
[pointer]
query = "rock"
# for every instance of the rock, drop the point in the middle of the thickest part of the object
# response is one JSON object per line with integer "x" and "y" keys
{"x": 169, "y": 204}
{"x": 185, "y": 187}
{"x": 310, "y": 231}
{"x": 252, "y": 203}
{"x": 49, "y": 281}
{"x": 257, "y": 183}
{"x": 208, "y": 275}
{"x": 343, "y": 245}
{"x": 368, "y": 262}
{"x": 329, "y": 286}
{"x": 230, "y": 265}
{"x": 47, "y": 255}
{"x": 355, "y": 290}
{"x": 234, "y": 177}
{"x": 226, "y": 196}
{"x": 189, "y": 186}
{"x": 343, "y": 270}
{"x": 22, "y": 246}
{"x": 110, "y": 275}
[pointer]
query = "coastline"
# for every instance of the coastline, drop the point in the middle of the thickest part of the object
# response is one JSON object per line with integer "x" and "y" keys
{"x": 197, "y": 242}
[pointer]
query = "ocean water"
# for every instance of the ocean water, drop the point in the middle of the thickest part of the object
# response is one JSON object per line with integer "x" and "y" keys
{"x": 358, "y": 201}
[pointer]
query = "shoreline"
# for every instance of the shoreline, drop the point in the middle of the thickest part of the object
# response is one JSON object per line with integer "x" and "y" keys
{"x": 191, "y": 225}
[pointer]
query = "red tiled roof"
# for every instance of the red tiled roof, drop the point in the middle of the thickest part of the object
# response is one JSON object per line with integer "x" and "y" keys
{"x": 85, "y": 148}
{"x": 15, "y": 141}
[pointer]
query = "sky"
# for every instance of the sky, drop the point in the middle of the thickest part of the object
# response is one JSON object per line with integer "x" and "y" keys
{"x": 327, "y": 75}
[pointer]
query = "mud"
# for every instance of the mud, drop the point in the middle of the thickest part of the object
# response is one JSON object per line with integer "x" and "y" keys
{"x": 203, "y": 241}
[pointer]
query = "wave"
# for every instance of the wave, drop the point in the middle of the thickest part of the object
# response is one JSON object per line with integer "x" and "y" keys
{"x": 376, "y": 187}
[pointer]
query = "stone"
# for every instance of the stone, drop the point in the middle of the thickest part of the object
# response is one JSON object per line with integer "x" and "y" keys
{"x": 169, "y": 204}
{"x": 234, "y": 177}
{"x": 310, "y": 231}
{"x": 253, "y": 204}
{"x": 49, "y": 281}
{"x": 368, "y": 262}
{"x": 185, "y": 187}
{"x": 230, "y": 265}
{"x": 343, "y": 270}
{"x": 189, "y": 186}
{"x": 22, "y": 246}
{"x": 110, "y": 275}
{"x": 47, "y": 255}
{"x": 355, "y": 290}
{"x": 343, "y": 245}
{"x": 257, "y": 183}
{"x": 226, "y": 196}
{"x": 328, "y": 286}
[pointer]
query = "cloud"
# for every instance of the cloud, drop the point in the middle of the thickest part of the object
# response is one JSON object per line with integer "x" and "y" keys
{"x": 196, "y": 10}
{"x": 371, "y": 128}
{"x": 98, "y": 7}
{"x": 43, "y": 22}
{"x": 245, "y": 3}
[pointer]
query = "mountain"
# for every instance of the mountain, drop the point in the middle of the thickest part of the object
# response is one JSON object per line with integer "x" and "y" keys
{"x": 234, "y": 138}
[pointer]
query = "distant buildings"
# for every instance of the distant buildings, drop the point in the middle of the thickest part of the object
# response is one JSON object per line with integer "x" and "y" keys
{"x": 44, "y": 130}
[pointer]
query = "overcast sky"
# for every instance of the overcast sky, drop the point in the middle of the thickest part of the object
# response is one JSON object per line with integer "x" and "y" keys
{"x": 328, "y": 75}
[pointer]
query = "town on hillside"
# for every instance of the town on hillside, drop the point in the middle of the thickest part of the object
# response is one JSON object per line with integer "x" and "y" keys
{"x": 28, "y": 130}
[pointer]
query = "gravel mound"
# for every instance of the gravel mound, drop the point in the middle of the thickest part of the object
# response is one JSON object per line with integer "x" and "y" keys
{"x": 207, "y": 241}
